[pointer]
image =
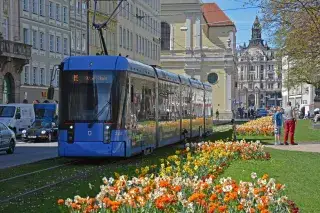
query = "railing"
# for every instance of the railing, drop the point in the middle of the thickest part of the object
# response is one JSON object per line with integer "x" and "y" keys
{"x": 19, "y": 50}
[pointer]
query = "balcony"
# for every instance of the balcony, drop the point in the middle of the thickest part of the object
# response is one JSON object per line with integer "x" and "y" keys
{"x": 14, "y": 49}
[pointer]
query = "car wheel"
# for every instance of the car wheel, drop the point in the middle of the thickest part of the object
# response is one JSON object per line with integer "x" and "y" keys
{"x": 49, "y": 137}
{"x": 11, "y": 147}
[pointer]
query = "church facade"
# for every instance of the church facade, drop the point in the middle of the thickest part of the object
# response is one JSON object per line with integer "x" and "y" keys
{"x": 259, "y": 72}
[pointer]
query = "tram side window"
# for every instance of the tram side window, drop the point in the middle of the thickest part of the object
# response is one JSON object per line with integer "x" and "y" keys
{"x": 186, "y": 92}
{"x": 168, "y": 101}
{"x": 208, "y": 104}
{"x": 143, "y": 99}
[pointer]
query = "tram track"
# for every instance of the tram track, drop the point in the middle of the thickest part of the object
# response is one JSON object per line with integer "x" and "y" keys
{"x": 78, "y": 175}
{"x": 38, "y": 171}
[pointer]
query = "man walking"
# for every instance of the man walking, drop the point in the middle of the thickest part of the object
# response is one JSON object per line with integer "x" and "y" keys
{"x": 290, "y": 124}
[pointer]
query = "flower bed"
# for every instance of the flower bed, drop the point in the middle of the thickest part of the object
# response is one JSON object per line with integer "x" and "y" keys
{"x": 187, "y": 182}
{"x": 261, "y": 126}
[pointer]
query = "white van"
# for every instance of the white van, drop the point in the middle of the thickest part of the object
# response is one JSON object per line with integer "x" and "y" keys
{"x": 17, "y": 116}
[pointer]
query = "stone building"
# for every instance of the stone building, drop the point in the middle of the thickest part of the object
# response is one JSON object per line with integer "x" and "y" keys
{"x": 259, "y": 72}
{"x": 198, "y": 40}
{"x": 139, "y": 30}
{"x": 13, "y": 54}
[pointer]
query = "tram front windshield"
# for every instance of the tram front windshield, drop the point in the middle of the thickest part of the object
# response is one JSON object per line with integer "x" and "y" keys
{"x": 87, "y": 96}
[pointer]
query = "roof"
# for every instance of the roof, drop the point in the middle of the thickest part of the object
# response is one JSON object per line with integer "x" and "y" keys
{"x": 214, "y": 16}
{"x": 105, "y": 63}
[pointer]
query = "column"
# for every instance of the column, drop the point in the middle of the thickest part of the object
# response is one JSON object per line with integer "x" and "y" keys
{"x": 228, "y": 89}
{"x": 188, "y": 32}
{"x": 198, "y": 34}
{"x": 171, "y": 37}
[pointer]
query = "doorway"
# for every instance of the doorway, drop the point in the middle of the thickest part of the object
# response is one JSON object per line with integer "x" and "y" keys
{"x": 8, "y": 89}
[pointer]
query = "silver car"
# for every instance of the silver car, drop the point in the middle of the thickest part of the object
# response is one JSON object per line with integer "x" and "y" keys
{"x": 7, "y": 139}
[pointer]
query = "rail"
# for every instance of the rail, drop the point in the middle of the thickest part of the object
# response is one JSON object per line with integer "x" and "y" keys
{"x": 20, "y": 50}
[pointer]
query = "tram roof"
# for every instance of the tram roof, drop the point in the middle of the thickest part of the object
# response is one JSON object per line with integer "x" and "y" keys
{"x": 207, "y": 86}
{"x": 168, "y": 76}
{"x": 103, "y": 62}
{"x": 196, "y": 83}
{"x": 184, "y": 80}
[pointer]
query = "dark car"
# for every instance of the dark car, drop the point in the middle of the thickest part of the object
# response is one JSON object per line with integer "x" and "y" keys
{"x": 261, "y": 113}
{"x": 41, "y": 130}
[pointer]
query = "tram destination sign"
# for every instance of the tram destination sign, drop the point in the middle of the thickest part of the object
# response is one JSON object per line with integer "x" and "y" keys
{"x": 83, "y": 78}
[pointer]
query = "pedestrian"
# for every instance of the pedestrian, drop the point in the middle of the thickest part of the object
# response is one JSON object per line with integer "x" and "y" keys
{"x": 290, "y": 124}
{"x": 217, "y": 114}
{"x": 277, "y": 121}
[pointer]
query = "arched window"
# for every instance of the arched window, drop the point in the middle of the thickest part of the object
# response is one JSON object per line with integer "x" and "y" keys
{"x": 165, "y": 36}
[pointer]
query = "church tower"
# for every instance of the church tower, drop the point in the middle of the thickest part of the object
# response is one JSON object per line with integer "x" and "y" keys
{"x": 256, "y": 39}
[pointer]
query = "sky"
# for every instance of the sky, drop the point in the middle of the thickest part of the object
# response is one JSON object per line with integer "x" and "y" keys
{"x": 243, "y": 18}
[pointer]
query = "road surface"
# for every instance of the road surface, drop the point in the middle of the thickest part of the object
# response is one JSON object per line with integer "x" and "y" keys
{"x": 27, "y": 153}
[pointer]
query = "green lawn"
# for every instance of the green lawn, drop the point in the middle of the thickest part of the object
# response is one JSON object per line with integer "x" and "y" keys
{"x": 304, "y": 133}
{"x": 299, "y": 171}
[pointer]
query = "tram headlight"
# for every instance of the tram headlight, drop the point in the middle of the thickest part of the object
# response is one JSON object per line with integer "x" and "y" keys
{"x": 43, "y": 132}
{"x": 71, "y": 127}
{"x": 24, "y": 131}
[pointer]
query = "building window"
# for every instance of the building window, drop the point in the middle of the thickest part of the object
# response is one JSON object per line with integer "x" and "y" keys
{"x": 124, "y": 38}
{"x": 137, "y": 43}
{"x": 26, "y": 75}
{"x": 304, "y": 102}
{"x": 5, "y": 33}
{"x": 25, "y": 36}
{"x": 270, "y": 76}
{"x": 65, "y": 46}
{"x": 261, "y": 67}
{"x": 51, "y": 10}
{"x": 25, "y": 5}
{"x": 241, "y": 66}
{"x": 41, "y": 41}
{"x": 120, "y": 39}
{"x": 49, "y": 78}
{"x": 270, "y": 86}
{"x": 58, "y": 43}
{"x": 41, "y": 76}
{"x": 58, "y": 12}
{"x": 34, "y": 39}
{"x": 250, "y": 86}
{"x": 251, "y": 68}
{"x": 78, "y": 40}
{"x": 35, "y": 6}
{"x": 83, "y": 42}
{"x": 128, "y": 39}
{"x": 261, "y": 76}
{"x": 261, "y": 85}
{"x": 72, "y": 39}
{"x": 65, "y": 14}
{"x": 140, "y": 44}
{"x": 165, "y": 36}
{"x": 279, "y": 85}
{"x": 131, "y": 44}
{"x": 51, "y": 43}
{"x": 41, "y": 7}
{"x": 78, "y": 6}
{"x": 34, "y": 79}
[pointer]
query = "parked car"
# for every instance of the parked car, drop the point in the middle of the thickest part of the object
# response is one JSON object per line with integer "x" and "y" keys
{"x": 44, "y": 130}
{"x": 261, "y": 113}
{"x": 17, "y": 116}
{"x": 7, "y": 139}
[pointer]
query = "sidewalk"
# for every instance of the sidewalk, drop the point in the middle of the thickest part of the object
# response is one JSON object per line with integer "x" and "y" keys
{"x": 303, "y": 147}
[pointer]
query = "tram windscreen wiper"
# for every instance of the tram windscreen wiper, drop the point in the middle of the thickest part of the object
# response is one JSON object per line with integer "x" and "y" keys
{"x": 100, "y": 113}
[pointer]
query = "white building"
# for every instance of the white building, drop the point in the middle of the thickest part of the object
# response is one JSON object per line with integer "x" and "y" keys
{"x": 139, "y": 30}
{"x": 259, "y": 72}
{"x": 300, "y": 95}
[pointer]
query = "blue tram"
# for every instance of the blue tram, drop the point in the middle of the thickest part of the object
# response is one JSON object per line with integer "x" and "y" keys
{"x": 114, "y": 106}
